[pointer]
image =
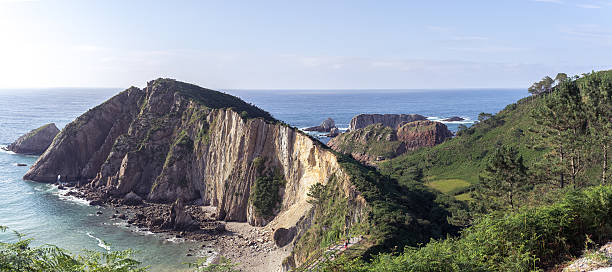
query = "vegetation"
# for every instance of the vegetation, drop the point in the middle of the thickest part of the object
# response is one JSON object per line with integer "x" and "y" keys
{"x": 530, "y": 239}
{"x": 503, "y": 182}
{"x": 213, "y": 99}
{"x": 265, "y": 193}
{"x": 22, "y": 256}
{"x": 373, "y": 140}
{"x": 398, "y": 215}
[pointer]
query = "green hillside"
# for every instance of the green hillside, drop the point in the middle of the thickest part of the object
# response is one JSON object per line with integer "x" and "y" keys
{"x": 454, "y": 165}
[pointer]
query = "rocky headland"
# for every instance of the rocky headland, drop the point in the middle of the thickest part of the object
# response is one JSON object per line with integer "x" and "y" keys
{"x": 386, "y": 120}
{"x": 172, "y": 149}
{"x": 378, "y": 142}
{"x": 36, "y": 141}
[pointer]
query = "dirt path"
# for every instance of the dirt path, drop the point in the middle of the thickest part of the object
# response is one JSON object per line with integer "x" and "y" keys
{"x": 334, "y": 251}
{"x": 251, "y": 247}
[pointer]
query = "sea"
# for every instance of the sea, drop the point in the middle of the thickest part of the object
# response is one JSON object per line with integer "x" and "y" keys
{"x": 41, "y": 212}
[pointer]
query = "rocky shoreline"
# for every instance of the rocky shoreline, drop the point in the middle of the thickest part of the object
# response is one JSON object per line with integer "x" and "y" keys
{"x": 252, "y": 248}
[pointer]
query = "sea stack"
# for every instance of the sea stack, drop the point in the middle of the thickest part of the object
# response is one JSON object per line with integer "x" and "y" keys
{"x": 326, "y": 126}
{"x": 36, "y": 141}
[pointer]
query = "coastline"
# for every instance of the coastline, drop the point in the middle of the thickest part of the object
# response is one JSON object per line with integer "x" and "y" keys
{"x": 250, "y": 248}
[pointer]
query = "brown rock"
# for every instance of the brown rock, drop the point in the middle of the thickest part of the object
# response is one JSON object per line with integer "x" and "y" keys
{"x": 387, "y": 120}
{"x": 423, "y": 133}
{"x": 36, "y": 141}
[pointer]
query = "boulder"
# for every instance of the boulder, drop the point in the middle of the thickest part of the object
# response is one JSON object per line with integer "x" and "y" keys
{"x": 387, "y": 120}
{"x": 36, "y": 141}
{"x": 179, "y": 219}
{"x": 132, "y": 198}
{"x": 325, "y": 126}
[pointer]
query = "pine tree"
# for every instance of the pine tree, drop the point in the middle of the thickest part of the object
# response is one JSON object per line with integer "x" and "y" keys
{"x": 562, "y": 127}
{"x": 503, "y": 182}
{"x": 597, "y": 96}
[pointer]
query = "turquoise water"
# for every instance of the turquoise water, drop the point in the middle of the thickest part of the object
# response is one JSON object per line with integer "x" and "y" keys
{"x": 39, "y": 211}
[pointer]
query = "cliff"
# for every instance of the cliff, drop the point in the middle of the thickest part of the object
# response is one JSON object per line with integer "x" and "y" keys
{"x": 378, "y": 142}
{"x": 387, "y": 120}
{"x": 36, "y": 141}
{"x": 173, "y": 140}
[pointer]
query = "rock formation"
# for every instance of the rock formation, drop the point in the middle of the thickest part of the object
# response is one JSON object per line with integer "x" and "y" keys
{"x": 378, "y": 142}
{"x": 453, "y": 119}
{"x": 387, "y": 120}
{"x": 174, "y": 142}
{"x": 333, "y": 132}
{"x": 36, "y": 141}
{"x": 422, "y": 133}
{"x": 326, "y": 126}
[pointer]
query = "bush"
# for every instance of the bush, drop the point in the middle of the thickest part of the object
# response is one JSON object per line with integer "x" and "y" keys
{"x": 21, "y": 256}
{"x": 528, "y": 240}
{"x": 265, "y": 194}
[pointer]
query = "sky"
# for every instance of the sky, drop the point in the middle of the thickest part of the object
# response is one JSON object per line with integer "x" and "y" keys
{"x": 301, "y": 44}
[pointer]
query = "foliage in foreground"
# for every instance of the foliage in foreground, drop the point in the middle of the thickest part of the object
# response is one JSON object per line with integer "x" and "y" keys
{"x": 22, "y": 256}
{"x": 531, "y": 239}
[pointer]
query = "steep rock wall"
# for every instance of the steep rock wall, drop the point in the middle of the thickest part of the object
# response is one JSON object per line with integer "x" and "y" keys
{"x": 164, "y": 144}
{"x": 387, "y": 120}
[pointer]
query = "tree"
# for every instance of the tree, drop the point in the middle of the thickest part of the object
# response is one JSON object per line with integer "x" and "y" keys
{"x": 543, "y": 86}
{"x": 561, "y": 77}
{"x": 562, "y": 127}
{"x": 597, "y": 97}
{"x": 503, "y": 181}
{"x": 484, "y": 116}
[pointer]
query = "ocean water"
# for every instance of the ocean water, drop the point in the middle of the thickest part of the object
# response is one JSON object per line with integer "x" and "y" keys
{"x": 39, "y": 210}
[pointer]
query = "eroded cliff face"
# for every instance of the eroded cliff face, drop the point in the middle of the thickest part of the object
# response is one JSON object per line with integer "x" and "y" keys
{"x": 164, "y": 143}
{"x": 379, "y": 142}
{"x": 387, "y": 120}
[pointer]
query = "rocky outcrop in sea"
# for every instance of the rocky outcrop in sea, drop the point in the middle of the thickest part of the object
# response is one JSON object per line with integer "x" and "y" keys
{"x": 36, "y": 141}
{"x": 387, "y": 120}
{"x": 378, "y": 142}
{"x": 326, "y": 126}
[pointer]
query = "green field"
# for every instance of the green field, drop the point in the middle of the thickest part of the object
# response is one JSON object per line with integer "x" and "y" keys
{"x": 448, "y": 186}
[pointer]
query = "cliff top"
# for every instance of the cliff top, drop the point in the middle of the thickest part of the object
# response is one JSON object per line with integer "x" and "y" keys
{"x": 210, "y": 98}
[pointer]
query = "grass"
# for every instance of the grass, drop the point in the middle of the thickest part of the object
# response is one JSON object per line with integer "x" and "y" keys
{"x": 213, "y": 99}
{"x": 464, "y": 157}
{"x": 464, "y": 197}
{"x": 448, "y": 186}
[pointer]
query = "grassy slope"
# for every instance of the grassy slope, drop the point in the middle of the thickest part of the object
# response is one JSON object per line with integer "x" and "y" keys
{"x": 454, "y": 165}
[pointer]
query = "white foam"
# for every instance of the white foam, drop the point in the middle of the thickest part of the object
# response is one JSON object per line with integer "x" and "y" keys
{"x": 466, "y": 120}
{"x": 3, "y": 150}
{"x": 175, "y": 240}
{"x": 100, "y": 242}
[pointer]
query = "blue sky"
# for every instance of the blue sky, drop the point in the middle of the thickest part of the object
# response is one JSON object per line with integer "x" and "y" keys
{"x": 301, "y": 44}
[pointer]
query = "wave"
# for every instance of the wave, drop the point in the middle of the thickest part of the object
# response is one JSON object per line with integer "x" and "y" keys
{"x": 466, "y": 120}
{"x": 61, "y": 194}
{"x": 101, "y": 243}
{"x": 3, "y": 150}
